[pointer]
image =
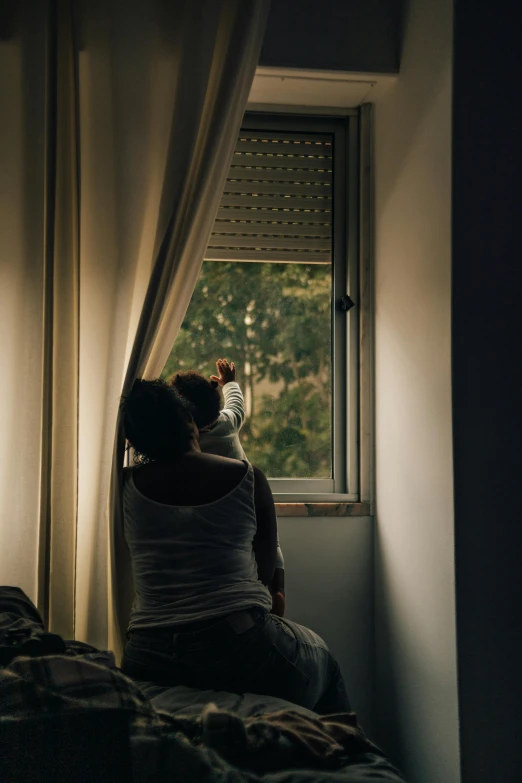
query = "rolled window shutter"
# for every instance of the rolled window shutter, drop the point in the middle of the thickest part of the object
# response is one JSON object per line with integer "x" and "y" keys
{"x": 277, "y": 200}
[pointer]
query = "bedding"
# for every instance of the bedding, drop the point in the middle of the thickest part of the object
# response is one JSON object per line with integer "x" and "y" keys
{"x": 367, "y": 765}
{"x": 174, "y": 733}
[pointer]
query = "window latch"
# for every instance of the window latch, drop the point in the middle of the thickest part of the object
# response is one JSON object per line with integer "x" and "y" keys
{"x": 346, "y": 303}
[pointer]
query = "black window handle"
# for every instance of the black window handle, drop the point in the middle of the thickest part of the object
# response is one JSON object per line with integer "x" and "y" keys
{"x": 346, "y": 303}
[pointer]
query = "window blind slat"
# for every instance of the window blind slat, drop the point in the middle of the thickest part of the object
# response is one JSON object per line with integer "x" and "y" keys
{"x": 254, "y": 174}
{"x": 271, "y": 243}
{"x": 282, "y": 161}
{"x": 314, "y": 190}
{"x": 295, "y": 147}
{"x": 277, "y": 200}
{"x": 223, "y": 227}
{"x": 275, "y": 256}
{"x": 307, "y": 217}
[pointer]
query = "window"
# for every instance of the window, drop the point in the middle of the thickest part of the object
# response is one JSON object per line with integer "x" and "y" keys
{"x": 282, "y": 255}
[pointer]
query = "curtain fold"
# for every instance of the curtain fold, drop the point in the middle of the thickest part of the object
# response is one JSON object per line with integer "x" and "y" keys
{"x": 61, "y": 325}
{"x": 39, "y": 267}
{"x": 22, "y": 220}
{"x": 149, "y": 100}
{"x": 191, "y": 201}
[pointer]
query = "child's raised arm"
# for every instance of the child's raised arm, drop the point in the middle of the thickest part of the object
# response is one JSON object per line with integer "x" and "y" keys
{"x": 234, "y": 407}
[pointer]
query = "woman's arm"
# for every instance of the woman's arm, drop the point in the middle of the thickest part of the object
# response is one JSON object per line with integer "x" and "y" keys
{"x": 265, "y": 540}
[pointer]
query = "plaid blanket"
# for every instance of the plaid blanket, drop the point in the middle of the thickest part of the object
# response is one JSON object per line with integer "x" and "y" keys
{"x": 63, "y": 686}
{"x": 55, "y": 684}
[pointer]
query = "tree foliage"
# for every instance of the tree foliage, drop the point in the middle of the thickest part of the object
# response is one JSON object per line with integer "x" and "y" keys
{"x": 273, "y": 321}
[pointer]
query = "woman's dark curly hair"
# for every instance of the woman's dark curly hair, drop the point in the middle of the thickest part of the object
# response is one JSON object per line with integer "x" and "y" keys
{"x": 201, "y": 394}
{"x": 156, "y": 421}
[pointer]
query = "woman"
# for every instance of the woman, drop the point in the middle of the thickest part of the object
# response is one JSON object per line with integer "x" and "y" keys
{"x": 202, "y": 534}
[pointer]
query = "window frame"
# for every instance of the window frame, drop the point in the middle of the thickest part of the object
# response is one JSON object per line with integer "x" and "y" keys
{"x": 345, "y": 485}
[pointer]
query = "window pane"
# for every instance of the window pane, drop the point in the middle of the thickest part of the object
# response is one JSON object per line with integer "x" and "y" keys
{"x": 274, "y": 321}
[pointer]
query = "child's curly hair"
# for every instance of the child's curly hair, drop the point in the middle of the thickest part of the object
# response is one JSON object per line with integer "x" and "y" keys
{"x": 201, "y": 394}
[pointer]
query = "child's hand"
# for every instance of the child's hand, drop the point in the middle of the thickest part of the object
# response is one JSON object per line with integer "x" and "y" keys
{"x": 227, "y": 372}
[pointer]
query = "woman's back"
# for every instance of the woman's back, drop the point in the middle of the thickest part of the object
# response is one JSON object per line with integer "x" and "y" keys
{"x": 202, "y": 532}
{"x": 190, "y": 528}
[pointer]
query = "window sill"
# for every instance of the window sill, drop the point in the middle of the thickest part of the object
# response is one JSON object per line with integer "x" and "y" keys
{"x": 322, "y": 509}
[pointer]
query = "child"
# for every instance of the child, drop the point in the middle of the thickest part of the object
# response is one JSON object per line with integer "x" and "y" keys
{"x": 219, "y": 432}
{"x": 218, "y": 426}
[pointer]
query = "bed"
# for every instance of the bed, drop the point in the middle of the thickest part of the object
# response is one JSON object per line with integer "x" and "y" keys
{"x": 67, "y": 713}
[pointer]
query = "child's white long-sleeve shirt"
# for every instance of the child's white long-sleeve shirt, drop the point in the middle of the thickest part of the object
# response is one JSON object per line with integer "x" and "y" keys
{"x": 223, "y": 437}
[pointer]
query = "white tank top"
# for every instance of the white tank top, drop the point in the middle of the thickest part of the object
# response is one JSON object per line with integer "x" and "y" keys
{"x": 192, "y": 562}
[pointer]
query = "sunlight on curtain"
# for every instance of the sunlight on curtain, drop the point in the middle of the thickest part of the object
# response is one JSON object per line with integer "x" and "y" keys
{"x": 38, "y": 308}
{"x": 22, "y": 156}
{"x": 160, "y": 92}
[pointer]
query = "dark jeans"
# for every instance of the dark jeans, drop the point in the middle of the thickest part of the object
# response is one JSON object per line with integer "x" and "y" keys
{"x": 247, "y": 652}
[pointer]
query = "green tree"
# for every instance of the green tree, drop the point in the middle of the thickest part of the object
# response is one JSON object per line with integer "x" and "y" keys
{"x": 274, "y": 322}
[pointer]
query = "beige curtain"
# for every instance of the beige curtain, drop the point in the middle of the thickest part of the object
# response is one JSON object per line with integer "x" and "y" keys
{"x": 116, "y": 159}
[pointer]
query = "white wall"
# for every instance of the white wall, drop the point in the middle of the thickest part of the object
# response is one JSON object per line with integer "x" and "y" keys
{"x": 329, "y": 581}
{"x": 416, "y": 684}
